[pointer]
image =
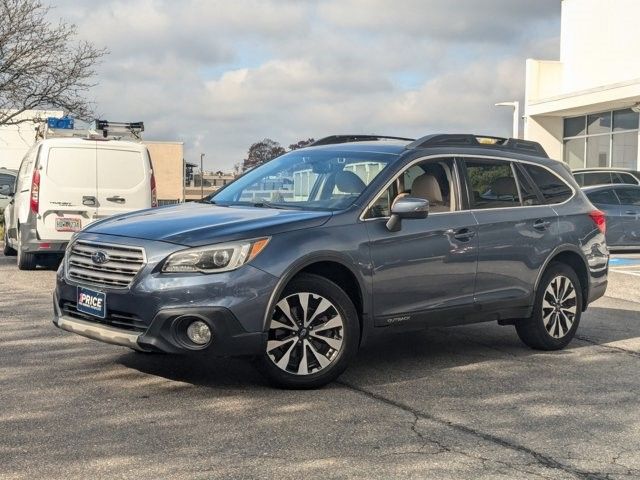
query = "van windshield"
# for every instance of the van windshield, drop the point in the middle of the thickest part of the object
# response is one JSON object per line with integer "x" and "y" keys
{"x": 314, "y": 180}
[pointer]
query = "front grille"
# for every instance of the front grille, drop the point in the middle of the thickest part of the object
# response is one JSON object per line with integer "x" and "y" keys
{"x": 123, "y": 321}
{"x": 118, "y": 272}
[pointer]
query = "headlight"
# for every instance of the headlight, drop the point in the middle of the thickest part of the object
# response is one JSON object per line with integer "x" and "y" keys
{"x": 214, "y": 258}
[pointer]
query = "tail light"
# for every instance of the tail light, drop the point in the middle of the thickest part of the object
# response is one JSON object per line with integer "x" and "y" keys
{"x": 599, "y": 219}
{"x": 35, "y": 191}
{"x": 154, "y": 193}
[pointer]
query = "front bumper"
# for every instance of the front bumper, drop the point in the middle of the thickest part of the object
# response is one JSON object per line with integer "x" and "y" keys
{"x": 150, "y": 313}
{"x": 94, "y": 330}
{"x": 165, "y": 333}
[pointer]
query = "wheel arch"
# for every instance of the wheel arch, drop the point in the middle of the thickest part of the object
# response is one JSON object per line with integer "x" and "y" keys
{"x": 571, "y": 256}
{"x": 335, "y": 268}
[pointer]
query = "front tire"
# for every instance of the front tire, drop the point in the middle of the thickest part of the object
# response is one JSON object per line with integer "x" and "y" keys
{"x": 556, "y": 312}
{"x": 313, "y": 335}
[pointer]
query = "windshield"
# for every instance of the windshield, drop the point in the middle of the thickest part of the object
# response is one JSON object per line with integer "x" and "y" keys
{"x": 309, "y": 179}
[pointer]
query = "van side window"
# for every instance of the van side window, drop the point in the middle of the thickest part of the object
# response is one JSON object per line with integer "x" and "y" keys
{"x": 491, "y": 184}
{"x": 553, "y": 189}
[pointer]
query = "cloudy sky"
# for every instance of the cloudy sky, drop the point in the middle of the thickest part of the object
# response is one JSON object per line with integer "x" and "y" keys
{"x": 222, "y": 74}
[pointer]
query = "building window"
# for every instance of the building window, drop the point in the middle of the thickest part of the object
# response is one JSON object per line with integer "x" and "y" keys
{"x": 608, "y": 139}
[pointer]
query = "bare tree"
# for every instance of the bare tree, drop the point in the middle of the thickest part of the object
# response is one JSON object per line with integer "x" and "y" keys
{"x": 42, "y": 65}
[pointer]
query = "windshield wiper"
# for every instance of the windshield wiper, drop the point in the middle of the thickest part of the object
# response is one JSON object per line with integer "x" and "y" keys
{"x": 278, "y": 206}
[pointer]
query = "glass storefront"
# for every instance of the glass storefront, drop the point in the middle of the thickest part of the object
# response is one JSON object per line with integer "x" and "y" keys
{"x": 608, "y": 139}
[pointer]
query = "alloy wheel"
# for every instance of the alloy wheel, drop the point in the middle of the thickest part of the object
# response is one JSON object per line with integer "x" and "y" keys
{"x": 559, "y": 306}
{"x": 306, "y": 334}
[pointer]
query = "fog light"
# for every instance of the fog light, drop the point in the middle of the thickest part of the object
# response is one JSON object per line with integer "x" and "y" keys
{"x": 199, "y": 332}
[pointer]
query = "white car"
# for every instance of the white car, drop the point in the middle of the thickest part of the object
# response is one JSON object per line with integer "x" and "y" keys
{"x": 64, "y": 184}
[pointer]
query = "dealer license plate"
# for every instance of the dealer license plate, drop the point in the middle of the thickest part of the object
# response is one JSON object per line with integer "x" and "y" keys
{"x": 92, "y": 302}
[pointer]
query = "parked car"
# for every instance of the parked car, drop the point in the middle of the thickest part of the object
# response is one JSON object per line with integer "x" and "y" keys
{"x": 621, "y": 205}
{"x": 64, "y": 184}
{"x": 364, "y": 238}
{"x": 600, "y": 176}
{"x": 7, "y": 183}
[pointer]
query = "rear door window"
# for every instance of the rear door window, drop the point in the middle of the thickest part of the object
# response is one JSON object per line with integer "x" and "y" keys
{"x": 72, "y": 167}
{"x": 120, "y": 168}
{"x": 597, "y": 178}
{"x": 604, "y": 197}
{"x": 527, "y": 190}
{"x": 629, "y": 196}
{"x": 492, "y": 184}
{"x": 553, "y": 188}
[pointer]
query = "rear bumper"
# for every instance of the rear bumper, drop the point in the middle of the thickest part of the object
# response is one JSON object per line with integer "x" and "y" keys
{"x": 597, "y": 290}
{"x": 33, "y": 244}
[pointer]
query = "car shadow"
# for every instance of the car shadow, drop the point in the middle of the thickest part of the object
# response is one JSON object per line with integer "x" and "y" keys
{"x": 399, "y": 357}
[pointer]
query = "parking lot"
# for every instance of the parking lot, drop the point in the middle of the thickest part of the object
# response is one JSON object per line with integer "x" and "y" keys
{"x": 466, "y": 402}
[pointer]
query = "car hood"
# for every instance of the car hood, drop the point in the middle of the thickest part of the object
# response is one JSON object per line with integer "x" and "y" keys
{"x": 195, "y": 224}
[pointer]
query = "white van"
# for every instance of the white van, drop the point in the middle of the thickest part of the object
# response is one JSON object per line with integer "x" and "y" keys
{"x": 66, "y": 183}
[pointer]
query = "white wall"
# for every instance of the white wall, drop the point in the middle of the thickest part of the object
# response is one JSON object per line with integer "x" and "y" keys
{"x": 15, "y": 140}
{"x": 599, "y": 42}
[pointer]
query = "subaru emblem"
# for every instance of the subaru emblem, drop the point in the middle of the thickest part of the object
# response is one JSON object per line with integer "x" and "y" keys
{"x": 99, "y": 257}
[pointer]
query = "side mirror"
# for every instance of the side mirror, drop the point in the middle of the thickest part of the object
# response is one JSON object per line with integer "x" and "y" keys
{"x": 409, "y": 208}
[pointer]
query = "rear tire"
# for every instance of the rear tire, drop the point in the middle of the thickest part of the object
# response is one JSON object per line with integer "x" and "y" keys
{"x": 556, "y": 312}
{"x": 313, "y": 334}
{"x": 26, "y": 261}
{"x": 7, "y": 250}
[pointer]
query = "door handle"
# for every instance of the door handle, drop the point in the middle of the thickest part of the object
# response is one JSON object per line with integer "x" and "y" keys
{"x": 630, "y": 212}
{"x": 464, "y": 234}
{"x": 541, "y": 224}
{"x": 89, "y": 201}
{"x": 117, "y": 199}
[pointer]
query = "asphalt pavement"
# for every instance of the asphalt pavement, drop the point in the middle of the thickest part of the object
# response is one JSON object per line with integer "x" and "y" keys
{"x": 464, "y": 402}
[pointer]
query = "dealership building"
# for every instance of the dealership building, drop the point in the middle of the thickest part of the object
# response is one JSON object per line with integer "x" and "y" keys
{"x": 584, "y": 107}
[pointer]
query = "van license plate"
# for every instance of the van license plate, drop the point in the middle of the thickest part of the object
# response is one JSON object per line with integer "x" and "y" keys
{"x": 68, "y": 224}
{"x": 92, "y": 302}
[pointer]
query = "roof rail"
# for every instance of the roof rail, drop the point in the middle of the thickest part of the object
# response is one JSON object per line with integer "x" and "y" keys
{"x": 354, "y": 138}
{"x": 101, "y": 129}
{"x": 514, "y": 145}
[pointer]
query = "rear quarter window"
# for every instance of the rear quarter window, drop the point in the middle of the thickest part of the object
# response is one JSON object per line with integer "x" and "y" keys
{"x": 553, "y": 188}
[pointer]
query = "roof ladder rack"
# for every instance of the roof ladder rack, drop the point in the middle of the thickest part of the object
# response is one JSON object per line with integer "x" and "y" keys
{"x": 100, "y": 130}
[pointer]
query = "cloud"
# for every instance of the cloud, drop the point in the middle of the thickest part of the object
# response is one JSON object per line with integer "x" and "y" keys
{"x": 220, "y": 75}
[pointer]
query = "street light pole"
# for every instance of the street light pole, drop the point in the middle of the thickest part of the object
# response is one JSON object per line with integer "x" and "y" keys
{"x": 516, "y": 116}
{"x": 201, "y": 176}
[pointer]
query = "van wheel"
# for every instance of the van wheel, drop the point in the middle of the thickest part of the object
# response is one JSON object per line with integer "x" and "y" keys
{"x": 7, "y": 250}
{"x": 313, "y": 335}
{"x": 557, "y": 310}
{"x": 26, "y": 261}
